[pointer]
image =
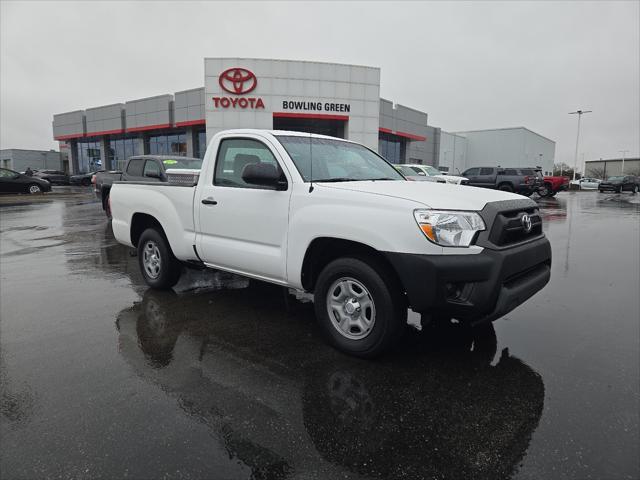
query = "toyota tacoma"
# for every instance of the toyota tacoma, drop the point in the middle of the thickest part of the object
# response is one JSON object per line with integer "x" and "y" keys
{"x": 332, "y": 218}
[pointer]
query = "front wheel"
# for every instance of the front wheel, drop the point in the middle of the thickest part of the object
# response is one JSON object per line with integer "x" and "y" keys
{"x": 34, "y": 188}
{"x": 359, "y": 308}
{"x": 544, "y": 190}
{"x": 505, "y": 187}
{"x": 159, "y": 267}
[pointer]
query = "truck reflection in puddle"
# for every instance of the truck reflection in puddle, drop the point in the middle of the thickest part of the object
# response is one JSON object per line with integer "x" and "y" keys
{"x": 259, "y": 376}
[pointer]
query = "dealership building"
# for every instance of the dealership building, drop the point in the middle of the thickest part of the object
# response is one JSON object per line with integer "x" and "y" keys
{"x": 332, "y": 99}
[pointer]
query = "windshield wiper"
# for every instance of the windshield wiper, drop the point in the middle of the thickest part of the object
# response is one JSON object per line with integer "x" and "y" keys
{"x": 382, "y": 178}
{"x": 338, "y": 179}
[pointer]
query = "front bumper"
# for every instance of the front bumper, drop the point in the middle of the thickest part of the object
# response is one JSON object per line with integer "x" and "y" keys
{"x": 476, "y": 288}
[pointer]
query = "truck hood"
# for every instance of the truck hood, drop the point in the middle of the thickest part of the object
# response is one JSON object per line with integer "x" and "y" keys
{"x": 431, "y": 194}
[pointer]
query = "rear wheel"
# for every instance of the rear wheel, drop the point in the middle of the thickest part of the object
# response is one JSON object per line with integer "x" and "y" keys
{"x": 106, "y": 206}
{"x": 159, "y": 267}
{"x": 634, "y": 189}
{"x": 358, "y": 306}
{"x": 505, "y": 187}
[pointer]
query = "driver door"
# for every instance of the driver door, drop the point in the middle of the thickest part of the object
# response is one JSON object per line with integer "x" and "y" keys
{"x": 243, "y": 227}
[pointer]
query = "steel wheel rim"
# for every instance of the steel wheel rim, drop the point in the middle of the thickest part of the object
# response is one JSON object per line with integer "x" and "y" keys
{"x": 34, "y": 189}
{"x": 151, "y": 259}
{"x": 351, "y": 308}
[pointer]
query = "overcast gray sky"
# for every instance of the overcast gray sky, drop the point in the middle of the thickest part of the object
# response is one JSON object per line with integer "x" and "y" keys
{"x": 468, "y": 65}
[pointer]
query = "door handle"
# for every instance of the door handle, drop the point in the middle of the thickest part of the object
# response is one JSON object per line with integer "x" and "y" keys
{"x": 209, "y": 201}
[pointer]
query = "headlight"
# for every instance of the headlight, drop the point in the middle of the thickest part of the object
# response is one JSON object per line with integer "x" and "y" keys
{"x": 449, "y": 228}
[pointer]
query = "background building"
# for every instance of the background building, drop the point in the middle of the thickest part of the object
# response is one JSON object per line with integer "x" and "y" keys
{"x": 505, "y": 147}
{"x": 332, "y": 99}
{"x": 611, "y": 167}
{"x": 18, "y": 159}
{"x": 328, "y": 98}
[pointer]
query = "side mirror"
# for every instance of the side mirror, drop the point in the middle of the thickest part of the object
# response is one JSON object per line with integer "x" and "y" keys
{"x": 422, "y": 173}
{"x": 263, "y": 174}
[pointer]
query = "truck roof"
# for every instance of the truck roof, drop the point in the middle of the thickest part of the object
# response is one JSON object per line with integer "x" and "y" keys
{"x": 275, "y": 133}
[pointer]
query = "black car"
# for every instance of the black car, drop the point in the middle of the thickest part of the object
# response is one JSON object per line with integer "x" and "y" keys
{"x": 620, "y": 183}
{"x": 55, "y": 177}
{"x": 14, "y": 182}
{"x": 83, "y": 179}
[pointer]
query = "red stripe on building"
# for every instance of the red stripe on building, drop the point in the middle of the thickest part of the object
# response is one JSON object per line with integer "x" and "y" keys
{"x": 314, "y": 116}
{"x": 188, "y": 123}
{"x": 410, "y": 136}
{"x": 149, "y": 127}
{"x": 106, "y": 132}
{"x": 68, "y": 137}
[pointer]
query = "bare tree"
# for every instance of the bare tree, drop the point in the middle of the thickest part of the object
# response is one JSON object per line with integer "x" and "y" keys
{"x": 596, "y": 172}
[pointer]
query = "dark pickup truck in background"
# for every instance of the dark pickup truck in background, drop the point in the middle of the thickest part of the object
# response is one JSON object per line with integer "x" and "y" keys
{"x": 524, "y": 181}
{"x": 147, "y": 168}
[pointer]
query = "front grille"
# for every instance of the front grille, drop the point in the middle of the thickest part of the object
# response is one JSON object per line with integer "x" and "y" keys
{"x": 508, "y": 227}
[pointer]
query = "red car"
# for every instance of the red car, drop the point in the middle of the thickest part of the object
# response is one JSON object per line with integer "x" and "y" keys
{"x": 552, "y": 185}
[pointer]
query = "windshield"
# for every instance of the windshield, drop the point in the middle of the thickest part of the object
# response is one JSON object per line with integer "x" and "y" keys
{"x": 407, "y": 171}
{"x": 335, "y": 160}
{"x": 431, "y": 171}
{"x": 182, "y": 163}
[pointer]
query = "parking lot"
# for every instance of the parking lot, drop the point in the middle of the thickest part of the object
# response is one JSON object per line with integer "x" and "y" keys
{"x": 230, "y": 378}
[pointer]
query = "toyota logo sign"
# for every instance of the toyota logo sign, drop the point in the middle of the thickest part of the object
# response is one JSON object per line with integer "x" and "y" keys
{"x": 526, "y": 222}
{"x": 238, "y": 80}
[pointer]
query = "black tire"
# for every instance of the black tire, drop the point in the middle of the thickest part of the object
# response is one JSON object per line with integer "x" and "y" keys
{"x": 505, "y": 187}
{"x": 634, "y": 189}
{"x": 545, "y": 190}
{"x": 106, "y": 206}
{"x": 390, "y": 312}
{"x": 619, "y": 190}
{"x": 34, "y": 188}
{"x": 168, "y": 267}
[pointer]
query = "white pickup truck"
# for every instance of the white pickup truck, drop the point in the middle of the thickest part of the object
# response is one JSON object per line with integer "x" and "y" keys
{"x": 330, "y": 217}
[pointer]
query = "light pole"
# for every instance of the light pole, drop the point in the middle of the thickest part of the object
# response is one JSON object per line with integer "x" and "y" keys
{"x": 575, "y": 161}
{"x": 624, "y": 153}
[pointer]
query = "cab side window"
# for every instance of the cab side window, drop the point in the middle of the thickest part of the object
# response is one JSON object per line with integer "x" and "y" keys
{"x": 471, "y": 171}
{"x": 486, "y": 171}
{"x": 134, "y": 168}
{"x": 234, "y": 154}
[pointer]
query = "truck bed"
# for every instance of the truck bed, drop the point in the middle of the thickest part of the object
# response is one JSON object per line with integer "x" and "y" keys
{"x": 167, "y": 202}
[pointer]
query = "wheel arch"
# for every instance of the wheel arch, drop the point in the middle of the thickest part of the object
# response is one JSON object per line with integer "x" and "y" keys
{"x": 140, "y": 222}
{"x": 323, "y": 250}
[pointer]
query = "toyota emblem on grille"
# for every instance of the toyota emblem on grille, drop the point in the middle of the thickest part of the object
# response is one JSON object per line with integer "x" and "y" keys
{"x": 526, "y": 223}
{"x": 237, "y": 80}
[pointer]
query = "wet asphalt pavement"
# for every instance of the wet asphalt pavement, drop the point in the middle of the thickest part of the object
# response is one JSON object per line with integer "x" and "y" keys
{"x": 227, "y": 378}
